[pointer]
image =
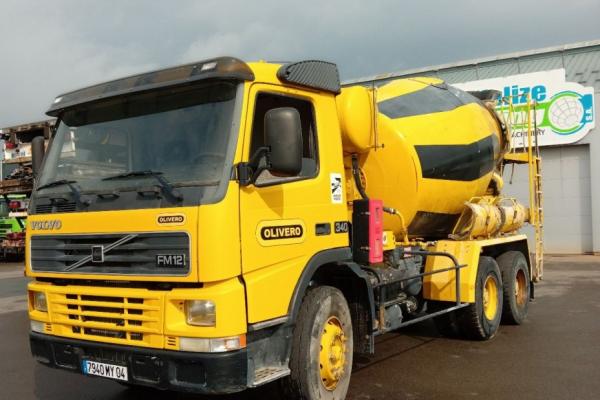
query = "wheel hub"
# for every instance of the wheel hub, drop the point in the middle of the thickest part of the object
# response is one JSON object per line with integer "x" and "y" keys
{"x": 490, "y": 298}
{"x": 332, "y": 356}
{"x": 520, "y": 288}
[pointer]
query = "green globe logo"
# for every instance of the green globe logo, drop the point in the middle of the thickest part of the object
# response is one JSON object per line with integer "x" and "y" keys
{"x": 565, "y": 113}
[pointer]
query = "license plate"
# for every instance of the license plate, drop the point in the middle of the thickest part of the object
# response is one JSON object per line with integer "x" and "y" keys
{"x": 105, "y": 370}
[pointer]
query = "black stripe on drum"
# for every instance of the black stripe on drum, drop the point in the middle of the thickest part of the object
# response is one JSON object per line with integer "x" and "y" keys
{"x": 431, "y": 99}
{"x": 457, "y": 162}
{"x": 430, "y": 225}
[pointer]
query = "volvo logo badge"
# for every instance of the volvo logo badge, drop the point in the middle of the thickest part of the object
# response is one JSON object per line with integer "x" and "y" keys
{"x": 46, "y": 225}
{"x": 97, "y": 254}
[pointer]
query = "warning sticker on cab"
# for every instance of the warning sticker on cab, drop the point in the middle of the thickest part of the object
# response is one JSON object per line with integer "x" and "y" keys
{"x": 280, "y": 232}
{"x": 336, "y": 188}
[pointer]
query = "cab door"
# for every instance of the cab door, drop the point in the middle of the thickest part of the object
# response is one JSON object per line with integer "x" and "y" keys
{"x": 286, "y": 221}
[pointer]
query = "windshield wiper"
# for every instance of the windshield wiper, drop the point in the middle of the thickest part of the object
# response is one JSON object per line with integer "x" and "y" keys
{"x": 70, "y": 184}
{"x": 163, "y": 182}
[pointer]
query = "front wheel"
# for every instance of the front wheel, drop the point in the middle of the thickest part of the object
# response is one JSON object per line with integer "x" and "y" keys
{"x": 322, "y": 347}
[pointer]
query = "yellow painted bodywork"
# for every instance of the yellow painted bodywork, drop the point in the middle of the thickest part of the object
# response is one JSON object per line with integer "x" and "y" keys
{"x": 213, "y": 230}
{"x": 229, "y": 298}
{"x": 442, "y": 286}
{"x": 161, "y": 314}
{"x": 124, "y": 221}
{"x": 272, "y": 272}
{"x": 216, "y": 224}
{"x": 358, "y": 128}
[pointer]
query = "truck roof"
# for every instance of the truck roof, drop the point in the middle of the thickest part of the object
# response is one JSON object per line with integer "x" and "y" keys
{"x": 223, "y": 67}
{"x": 316, "y": 74}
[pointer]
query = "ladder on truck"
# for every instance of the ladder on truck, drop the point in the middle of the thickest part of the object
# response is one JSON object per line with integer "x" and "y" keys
{"x": 525, "y": 149}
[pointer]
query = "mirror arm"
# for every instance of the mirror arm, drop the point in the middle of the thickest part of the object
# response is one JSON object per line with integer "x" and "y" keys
{"x": 248, "y": 172}
{"x": 258, "y": 154}
{"x": 54, "y": 127}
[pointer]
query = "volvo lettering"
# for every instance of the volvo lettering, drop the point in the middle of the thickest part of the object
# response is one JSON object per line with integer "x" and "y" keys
{"x": 46, "y": 225}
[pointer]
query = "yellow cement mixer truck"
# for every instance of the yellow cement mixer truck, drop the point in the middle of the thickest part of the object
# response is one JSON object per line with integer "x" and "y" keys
{"x": 219, "y": 225}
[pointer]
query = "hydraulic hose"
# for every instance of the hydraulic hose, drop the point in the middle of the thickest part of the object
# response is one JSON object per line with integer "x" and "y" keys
{"x": 356, "y": 175}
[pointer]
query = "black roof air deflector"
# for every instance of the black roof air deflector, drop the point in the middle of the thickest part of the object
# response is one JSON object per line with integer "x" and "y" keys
{"x": 315, "y": 74}
{"x": 486, "y": 95}
{"x": 219, "y": 68}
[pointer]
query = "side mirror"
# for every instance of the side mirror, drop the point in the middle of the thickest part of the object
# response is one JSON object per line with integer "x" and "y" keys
{"x": 37, "y": 154}
{"x": 283, "y": 135}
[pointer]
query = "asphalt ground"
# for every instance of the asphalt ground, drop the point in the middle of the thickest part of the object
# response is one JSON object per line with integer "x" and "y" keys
{"x": 555, "y": 354}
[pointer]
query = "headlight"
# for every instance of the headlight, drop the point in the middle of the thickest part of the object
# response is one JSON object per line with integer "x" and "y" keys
{"x": 212, "y": 345}
{"x": 201, "y": 312}
{"x": 39, "y": 301}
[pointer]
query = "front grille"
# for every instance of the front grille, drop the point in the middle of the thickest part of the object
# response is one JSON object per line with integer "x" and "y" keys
{"x": 123, "y": 254}
{"x": 56, "y": 207}
{"x": 118, "y": 319}
{"x": 102, "y": 332}
{"x": 5, "y": 226}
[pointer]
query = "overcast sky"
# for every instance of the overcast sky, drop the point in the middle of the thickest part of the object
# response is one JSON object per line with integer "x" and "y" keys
{"x": 48, "y": 47}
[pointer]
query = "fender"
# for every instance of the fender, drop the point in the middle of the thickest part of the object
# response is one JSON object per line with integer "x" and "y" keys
{"x": 438, "y": 287}
{"x": 269, "y": 342}
{"x": 341, "y": 256}
{"x": 335, "y": 267}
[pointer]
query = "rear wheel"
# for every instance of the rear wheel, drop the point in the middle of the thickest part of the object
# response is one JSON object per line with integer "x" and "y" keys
{"x": 481, "y": 319}
{"x": 515, "y": 286}
{"x": 321, "y": 358}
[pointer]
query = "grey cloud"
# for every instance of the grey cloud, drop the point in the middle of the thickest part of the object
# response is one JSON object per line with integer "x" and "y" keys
{"x": 49, "y": 47}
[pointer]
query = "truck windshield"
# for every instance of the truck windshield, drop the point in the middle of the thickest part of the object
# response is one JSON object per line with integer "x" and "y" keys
{"x": 182, "y": 133}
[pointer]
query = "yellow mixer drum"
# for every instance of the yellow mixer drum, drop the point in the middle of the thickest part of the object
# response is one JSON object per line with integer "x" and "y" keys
{"x": 433, "y": 148}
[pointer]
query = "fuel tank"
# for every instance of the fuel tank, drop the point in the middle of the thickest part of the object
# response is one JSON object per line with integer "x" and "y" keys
{"x": 425, "y": 148}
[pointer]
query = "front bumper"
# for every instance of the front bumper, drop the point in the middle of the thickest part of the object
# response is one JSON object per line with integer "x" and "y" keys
{"x": 163, "y": 369}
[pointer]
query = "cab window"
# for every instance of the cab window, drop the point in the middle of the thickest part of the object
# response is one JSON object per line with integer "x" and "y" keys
{"x": 268, "y": 101}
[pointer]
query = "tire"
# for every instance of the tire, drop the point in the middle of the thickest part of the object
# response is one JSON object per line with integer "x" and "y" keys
{"x": 481, "y": 320}
{"x": 323, "y": 332}
{"x": 515, "y": 287}
{"x": 446, "y": 324}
